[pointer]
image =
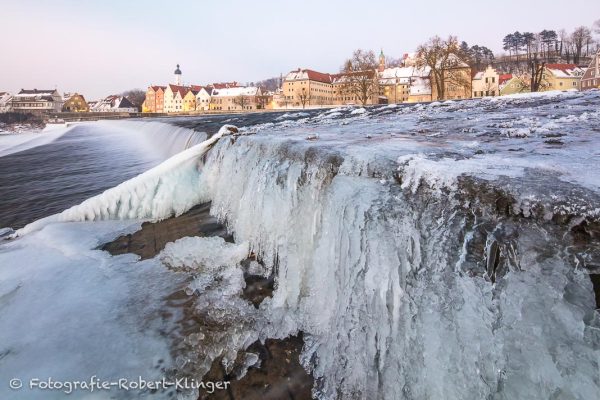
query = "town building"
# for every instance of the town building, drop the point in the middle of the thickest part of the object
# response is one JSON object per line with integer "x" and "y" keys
{"x": 305, "y": 87}
{"x": 420, "y": 88}
{"x": 173, "y": 98}
{"x": 155, "y": 99}
{"x": 5, "y": 99}
{"x": 203, "y": 98}
{"x": 395, "y": 83}
{"x": 114, "y": 104}
{"x": 37, "y": 101}
{"x": 591, "y": 77}
{"x": 485, "y": 83}
{"x": 561, "y": 77}
{"x": 75, "y": 103}
{"x": 189, "y": 100}
{"x": 348, "y": 88}
{"x": 512, "y": 84}
{"x": 457, "y": 80}
{"x": 235, "y": 99}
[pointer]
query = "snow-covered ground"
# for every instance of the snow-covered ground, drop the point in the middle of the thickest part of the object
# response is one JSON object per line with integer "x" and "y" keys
{"x": 429, "y": 251}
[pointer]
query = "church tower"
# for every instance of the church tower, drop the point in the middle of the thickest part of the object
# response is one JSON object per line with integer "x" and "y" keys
{"x": 381, "y": 61}
{"x": 178, "y": 76}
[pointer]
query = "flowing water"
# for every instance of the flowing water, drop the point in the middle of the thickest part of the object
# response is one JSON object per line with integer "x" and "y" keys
{"x": 426, "y": 251}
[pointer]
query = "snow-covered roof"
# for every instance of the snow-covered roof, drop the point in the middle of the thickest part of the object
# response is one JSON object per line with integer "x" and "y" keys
{"x": 308, "y": 74}
{"x": 420, "y": 86}
{"x": 453, "y": 61}
{"x": 36, "y": 92}
{"x": 236, "y": 91}
{"x": 565, "y": 70}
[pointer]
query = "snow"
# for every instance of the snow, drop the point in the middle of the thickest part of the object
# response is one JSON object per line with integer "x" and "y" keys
{"x": 70, "y": 311}
{"x": 236, "y": 91}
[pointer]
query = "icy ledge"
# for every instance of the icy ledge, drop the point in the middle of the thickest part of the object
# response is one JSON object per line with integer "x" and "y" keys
{"x": 403, "y": 294}
{"x": 161, "y": 192}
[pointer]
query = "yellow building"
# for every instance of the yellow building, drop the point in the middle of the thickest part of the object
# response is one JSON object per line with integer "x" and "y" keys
{"x": 396, "y": 85}
{"x": 189, "y": 100}
{"x": 305, "y": 87}
{"x": 561, "y": 77}
{"x": 457, "y": 80}
{"x": 235, "y": 99}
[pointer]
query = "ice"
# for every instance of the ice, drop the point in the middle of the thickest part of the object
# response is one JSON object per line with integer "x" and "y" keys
{"x": 203, "y": 253}
{"x": 69, "y": 311}
{"x": 358, "y": 111}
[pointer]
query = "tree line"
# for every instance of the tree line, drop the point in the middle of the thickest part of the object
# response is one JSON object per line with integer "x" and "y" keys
{"x": 552, "y": 45}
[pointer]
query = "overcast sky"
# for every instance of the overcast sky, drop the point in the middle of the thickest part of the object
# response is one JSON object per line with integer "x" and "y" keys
{"x": 102, "y": 47}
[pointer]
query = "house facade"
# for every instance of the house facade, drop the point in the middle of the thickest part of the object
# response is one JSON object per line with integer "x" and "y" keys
{"x": 189, "y": 100}
{"x": 420, "y": 89}
{"x": 456, "y": 80}
{"x": 305, "y": 87}
{"x": 5, "y": 99}
{"x": 344, "y": 83}
{"x": 173, "y": 98}
{"x": 235, "y": 99}
{"x": 591, "y": 77}
{"x": 512, "y": 84}
{"x": 486, "y": 83}
{"x": 114, "y": 104}
{"x": 203, "y": 98}
{"x": 155, "y": 99}
{"x": 37, "y": 101}
{"x": 75, "y": 103}
{"x": 561, "y": 77}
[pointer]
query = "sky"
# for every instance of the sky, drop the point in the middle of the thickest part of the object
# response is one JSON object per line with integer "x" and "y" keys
{"x": 105, "y": 47}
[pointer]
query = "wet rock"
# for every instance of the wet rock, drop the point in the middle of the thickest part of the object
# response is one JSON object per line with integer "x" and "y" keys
{"x": 278, "y": 375}
{"x": 152, "y": 238}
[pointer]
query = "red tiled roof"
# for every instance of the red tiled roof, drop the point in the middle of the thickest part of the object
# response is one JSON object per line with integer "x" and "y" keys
{"x": 318, "y": 76}
{"x": 155, "y": 88}
{"x": 504, "y": 77}
{"x": 181, "y": 89}
{"x": 562, "y": 67}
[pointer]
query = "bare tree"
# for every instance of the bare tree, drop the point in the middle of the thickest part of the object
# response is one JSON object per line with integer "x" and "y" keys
{"x": 580, "y": 37}
{"x": 241, "y": 101}
{"x": 447, "y": 69}
{"x": 135, "y": 96}
{"x": 536, "y": 70}
{"x": 358, "y": 76}
{"x": 304, "y": 97}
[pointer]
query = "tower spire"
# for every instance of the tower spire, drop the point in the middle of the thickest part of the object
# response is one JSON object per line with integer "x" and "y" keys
{"x": 177, "y": 75}
{"x": 381, "y": 61}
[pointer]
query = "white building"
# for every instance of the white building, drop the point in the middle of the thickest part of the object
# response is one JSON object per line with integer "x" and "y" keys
{"x": 173, "y": 98}
{"x": 114, "y": 104}
{"x": 235, "y": 99}
{"x": 37, "y": 101}
{"x": 203, "y": 98}
{"x": 5, "y": 99}
{"x": 486, "y": 83}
